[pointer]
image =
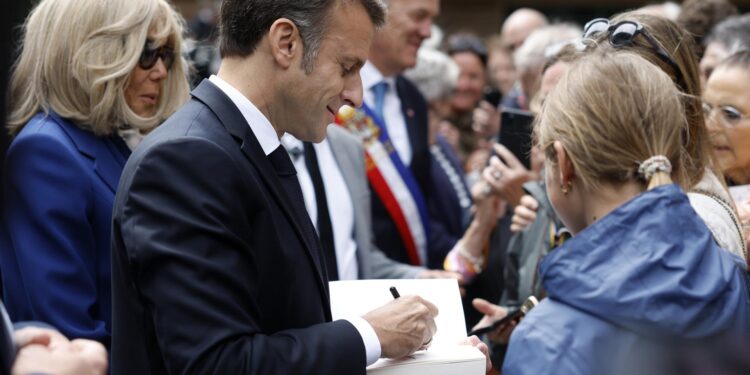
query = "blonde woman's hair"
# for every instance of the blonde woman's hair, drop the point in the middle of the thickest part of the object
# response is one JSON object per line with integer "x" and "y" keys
{"x": 612, "y": 112}
{"x": 77, "y": 57}
{"x": 682, "y": 49}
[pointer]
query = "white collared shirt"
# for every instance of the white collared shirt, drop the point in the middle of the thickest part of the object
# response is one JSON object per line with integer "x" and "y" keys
{"x": 259, "y": 124}
{"x": 340, "y": 207}
{"x": 269, "y": 141}
{"x": 394, "y": 116}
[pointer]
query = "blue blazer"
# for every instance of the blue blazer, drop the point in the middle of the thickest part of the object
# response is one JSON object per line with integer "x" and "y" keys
{"x": 59, "y": 190}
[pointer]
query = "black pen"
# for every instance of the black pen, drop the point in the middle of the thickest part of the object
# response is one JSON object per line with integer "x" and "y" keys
{"x": 394, "y": 292}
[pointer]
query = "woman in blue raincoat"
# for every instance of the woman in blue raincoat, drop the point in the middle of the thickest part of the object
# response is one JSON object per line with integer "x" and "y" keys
{"x": 642, "y": 271}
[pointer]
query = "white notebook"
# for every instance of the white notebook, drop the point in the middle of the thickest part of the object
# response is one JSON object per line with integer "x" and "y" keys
{"x": 445, "y": 355}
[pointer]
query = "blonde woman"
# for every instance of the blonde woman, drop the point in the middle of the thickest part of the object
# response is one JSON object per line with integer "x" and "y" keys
{"x": 87, "y": 69}
{"x": 642, "y": 266}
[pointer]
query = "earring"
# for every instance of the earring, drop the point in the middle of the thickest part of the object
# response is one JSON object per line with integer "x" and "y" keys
{"x": 566, "y": 188}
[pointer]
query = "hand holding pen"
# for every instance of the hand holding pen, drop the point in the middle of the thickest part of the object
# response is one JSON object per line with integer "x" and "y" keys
{"x": 403, "y": 325}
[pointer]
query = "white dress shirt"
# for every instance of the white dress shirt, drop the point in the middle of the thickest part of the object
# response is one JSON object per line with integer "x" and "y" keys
{"x": 340, "y": 207}
{"x": 394, "y": 116}
{"x": 269, "y": 141}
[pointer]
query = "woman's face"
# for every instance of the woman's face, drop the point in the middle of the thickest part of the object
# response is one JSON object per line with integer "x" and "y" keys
{"x": 144, "y": 87}
{"x": 470, "y": 84}
{"x": 730, "y": 88}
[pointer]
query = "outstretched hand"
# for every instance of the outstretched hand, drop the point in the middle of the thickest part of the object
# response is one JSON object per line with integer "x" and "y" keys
{"x": 493, "y": 313}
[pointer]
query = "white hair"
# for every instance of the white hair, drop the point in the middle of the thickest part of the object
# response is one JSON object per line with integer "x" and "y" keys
{"x": 435, "y": 74}
{"x": 531, "y": 54}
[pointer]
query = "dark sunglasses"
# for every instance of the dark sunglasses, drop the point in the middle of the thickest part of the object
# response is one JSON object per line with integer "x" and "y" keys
{"x": 150, "y": 56}
{"x": 622, "y": 34}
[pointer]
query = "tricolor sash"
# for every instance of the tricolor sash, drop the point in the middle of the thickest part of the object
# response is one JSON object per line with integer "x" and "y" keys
{"x": 392, "y": 181}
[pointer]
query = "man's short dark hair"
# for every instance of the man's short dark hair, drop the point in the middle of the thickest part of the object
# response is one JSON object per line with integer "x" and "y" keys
{"x": 243, "y": 23}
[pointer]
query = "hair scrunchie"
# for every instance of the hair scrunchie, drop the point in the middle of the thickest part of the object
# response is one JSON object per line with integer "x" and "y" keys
{"x": 654, "y": 165}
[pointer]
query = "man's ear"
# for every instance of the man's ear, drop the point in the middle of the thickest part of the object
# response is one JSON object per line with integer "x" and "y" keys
{"x": 565, "y": 166}
{"x": 285, "y": 42}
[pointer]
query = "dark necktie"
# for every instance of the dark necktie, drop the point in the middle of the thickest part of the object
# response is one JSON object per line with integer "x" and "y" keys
{"x": 284, "y": 168}
{"x": 325, "y": 229}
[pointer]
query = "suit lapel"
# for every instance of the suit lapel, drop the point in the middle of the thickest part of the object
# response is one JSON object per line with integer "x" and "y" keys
{"x": 407, "y": 108}
{"x": 237, "y": 126}
{"x": 108, "y": 161}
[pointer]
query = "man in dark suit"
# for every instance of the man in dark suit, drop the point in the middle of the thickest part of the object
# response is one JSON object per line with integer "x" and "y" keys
{"x": 404, "y": 113}
{"x": 216, "y": 266}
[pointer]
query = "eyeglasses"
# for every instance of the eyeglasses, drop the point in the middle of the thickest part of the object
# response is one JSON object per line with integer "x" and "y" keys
{"x": 150, "y": 56}
{"x": 622, "y": 34}
{"x": 730, "y": 116}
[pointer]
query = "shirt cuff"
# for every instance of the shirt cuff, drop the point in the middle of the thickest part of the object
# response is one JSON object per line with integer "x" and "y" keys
{"x": 369, "y": 338}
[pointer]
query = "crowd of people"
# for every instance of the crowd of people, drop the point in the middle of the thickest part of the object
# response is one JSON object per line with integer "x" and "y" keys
{"x": 176, "y": 198}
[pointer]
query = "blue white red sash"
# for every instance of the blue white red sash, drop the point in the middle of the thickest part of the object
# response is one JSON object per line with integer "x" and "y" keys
{"x": 392, "y": 181}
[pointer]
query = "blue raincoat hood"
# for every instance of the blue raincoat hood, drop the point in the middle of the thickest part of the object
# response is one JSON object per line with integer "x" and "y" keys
{"x": 648, "y": 270}
{"x": 653, "y": 267}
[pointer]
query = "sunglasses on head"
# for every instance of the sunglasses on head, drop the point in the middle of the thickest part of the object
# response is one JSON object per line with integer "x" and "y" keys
{"x": 151, "y": 55}
{"x": 622, "y": 34}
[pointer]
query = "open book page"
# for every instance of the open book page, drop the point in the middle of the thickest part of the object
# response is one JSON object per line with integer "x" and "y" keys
{"x": 356, "y": 298}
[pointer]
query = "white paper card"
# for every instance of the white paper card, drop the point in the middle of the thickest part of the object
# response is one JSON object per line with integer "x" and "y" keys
{"x": 445, "y": 356}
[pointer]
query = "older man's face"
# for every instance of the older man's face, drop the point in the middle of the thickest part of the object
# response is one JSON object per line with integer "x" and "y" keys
{"x": 395, "y": 46}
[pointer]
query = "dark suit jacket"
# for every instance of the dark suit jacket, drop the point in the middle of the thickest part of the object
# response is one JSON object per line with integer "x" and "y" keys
{"x": 387, "y": 237}
{"x": 60, "y": 186}
{"x": 212, "y": 272}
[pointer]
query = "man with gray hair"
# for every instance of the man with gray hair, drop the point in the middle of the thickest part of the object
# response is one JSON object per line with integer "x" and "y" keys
{"x": 516, "y": 28}
{"x": 216, "y": 265}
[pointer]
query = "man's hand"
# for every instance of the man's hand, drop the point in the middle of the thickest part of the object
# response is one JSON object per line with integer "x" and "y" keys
{"x": 524, "y": 214}
{"x": 403, "y": 326}
{"x": 47, "y": 351}
{"x": 477, "y": 343}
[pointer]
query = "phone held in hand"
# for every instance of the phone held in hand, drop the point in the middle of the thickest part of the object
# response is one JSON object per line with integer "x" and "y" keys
{"x": 515, "y": 133}
{"x": 527, "y": 305}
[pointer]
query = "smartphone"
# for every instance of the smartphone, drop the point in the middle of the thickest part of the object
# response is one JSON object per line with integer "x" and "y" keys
{"x": 518, "y": 313}
{"x": 515, "y": 133}
{"x": 498, "y": 323}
